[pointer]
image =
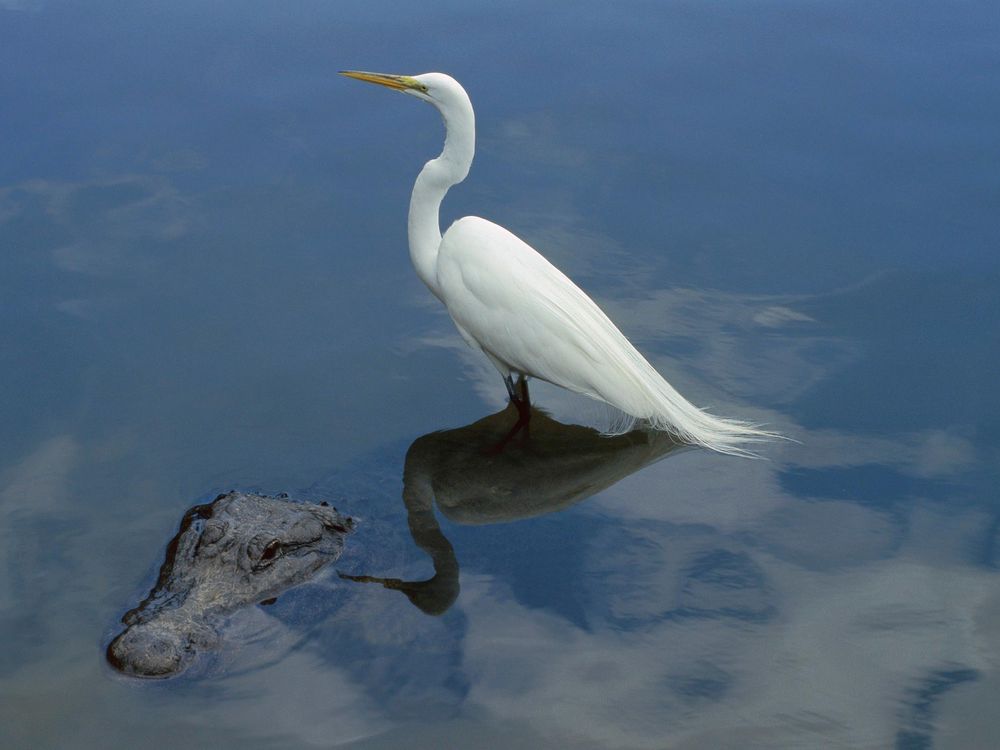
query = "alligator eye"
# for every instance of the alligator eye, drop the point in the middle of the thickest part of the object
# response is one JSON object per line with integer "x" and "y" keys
{"x": 271, "y": 551}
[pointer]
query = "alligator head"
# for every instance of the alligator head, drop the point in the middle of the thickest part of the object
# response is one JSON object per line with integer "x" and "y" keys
{"x": 238, "y": 550}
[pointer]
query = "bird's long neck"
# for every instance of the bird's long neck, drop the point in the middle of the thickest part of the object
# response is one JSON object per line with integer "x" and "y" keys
{"x": 434, "y": 180}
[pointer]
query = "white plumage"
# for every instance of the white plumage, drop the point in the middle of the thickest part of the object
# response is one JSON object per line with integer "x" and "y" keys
{"x": 527, "y": 316}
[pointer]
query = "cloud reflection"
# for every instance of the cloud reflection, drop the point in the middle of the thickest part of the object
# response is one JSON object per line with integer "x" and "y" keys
{"x": 731, "y": 603}
{"x": 710, "y": 638}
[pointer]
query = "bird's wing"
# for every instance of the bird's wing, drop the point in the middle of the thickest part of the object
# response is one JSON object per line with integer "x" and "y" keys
{"x": 525, "y": 312}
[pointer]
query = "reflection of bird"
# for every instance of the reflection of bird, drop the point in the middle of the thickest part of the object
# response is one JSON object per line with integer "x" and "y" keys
{"x": 559, "y": 466}
{"x": 519, "y": 309}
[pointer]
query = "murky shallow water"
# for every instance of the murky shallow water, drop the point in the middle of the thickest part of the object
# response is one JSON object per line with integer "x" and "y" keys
{"x": 790, "y": 207}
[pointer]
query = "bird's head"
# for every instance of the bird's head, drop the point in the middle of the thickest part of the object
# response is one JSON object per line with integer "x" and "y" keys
{"x": 441, "y": 90}
{"x": 450, "y": 99}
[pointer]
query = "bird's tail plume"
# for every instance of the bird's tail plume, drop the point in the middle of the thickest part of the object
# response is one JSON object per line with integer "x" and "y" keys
{"x": 653, "y": 400}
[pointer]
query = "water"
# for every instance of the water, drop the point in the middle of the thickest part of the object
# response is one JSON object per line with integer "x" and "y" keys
{"x": 791, "y": 208}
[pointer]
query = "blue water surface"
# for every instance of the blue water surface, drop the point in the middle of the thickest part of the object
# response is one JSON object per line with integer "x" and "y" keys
{"x": 791, "y": 207}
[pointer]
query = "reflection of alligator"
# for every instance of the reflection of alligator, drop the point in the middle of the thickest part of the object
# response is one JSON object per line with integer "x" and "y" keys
{"x": 551, "y": 468}
{"x": 239, "y": 549}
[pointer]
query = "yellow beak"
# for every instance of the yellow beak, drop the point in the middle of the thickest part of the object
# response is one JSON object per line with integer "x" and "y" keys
{"x": 399, "y": 83}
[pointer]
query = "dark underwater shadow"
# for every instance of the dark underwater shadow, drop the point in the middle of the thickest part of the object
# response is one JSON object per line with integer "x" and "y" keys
{"x": 551, "y": 468}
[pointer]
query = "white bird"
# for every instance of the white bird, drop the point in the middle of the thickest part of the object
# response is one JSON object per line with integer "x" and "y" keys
{"x": 522, "y": 312}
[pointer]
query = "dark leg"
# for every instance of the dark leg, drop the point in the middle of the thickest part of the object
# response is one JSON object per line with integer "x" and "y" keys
{"x": 518, "y": 393}
{"x": 511, "y": 389}
{"x": 523, "y": 404}
{"x": 522, "y": 384}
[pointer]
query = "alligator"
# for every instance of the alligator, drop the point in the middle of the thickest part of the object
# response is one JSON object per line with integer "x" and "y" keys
{"x": 238, "y": 550}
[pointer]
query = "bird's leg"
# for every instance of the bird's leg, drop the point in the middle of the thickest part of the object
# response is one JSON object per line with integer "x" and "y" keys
{"x": 511, "y": 390}
{"x": 522, "y": 386}
{"x": 518, "y": 393}
{"x": 524, "y": 410}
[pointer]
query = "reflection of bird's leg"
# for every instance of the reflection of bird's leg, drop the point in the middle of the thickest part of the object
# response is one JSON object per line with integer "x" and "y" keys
{"x": 521, "y": 401}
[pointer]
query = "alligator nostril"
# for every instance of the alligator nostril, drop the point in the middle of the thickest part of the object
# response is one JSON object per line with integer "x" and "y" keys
{"x": 213, "y": 532}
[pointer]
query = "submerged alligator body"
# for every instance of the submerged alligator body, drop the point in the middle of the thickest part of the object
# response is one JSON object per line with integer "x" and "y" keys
{"x": 236, "y": 551}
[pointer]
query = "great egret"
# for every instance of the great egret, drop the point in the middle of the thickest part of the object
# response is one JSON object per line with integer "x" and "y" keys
{"x": 522, "y": 312}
